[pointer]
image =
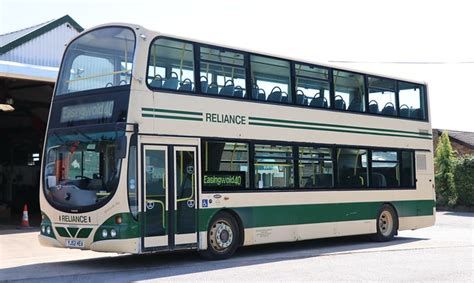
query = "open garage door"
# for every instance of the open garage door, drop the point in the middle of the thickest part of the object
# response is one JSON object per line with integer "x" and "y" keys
{"x": 23, "y": 119}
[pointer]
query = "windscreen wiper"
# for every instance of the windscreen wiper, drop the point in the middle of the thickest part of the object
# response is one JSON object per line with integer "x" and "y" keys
{"x": 77, "y": 131}
{"x": 58, "y": 137}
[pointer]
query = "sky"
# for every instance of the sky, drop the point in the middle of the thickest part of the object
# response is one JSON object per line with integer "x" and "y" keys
{"x": 429, "y": 41}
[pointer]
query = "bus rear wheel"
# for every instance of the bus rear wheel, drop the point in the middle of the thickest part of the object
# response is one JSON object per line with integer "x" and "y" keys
{"x": 387, "y": 224}
{"x": 222, "y": 237}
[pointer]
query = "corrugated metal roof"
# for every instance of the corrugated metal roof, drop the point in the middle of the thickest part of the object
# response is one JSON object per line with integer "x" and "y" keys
{"x": 12, "y": 36}
{"x": 43, "y": 50}
{"x": 11, "y": 40}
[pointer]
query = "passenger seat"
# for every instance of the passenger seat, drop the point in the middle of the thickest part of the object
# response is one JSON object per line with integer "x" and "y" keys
{"x": 319, "y": 101}
{"x": 239, "y": 92}
{"x": 275, "y": 95}
{"x": 204, "y": 84}
{"x": 228, "y": 89}
{"x": 378, "y": 180}
{"x": 213, "y": 88}
{"x": 374, "y": 107}
{"x": 339, "y": 103}
{"x": 187, "y": 85}
{"x": 172, "y": 82}
{"x": 157, "y": 81}
{"x": 301, "y": 98}
{"x": 355, "y": 106}
{"x": 388, "y": 109}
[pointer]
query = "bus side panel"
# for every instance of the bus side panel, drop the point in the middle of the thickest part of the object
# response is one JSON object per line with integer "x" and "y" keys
{"x": 304, "y": 218}
{"x": 425, "y": 214}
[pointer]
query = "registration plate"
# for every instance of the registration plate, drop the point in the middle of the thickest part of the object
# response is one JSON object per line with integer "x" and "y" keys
{"x": 71, "y": 243}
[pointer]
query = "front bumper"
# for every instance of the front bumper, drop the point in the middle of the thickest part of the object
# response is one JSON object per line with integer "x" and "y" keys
{"x": 46, "y": 241}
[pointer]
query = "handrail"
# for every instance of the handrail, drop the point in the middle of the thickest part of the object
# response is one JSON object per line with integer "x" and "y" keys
{"x": 232, "y": 156}
{"x": 192, "y": 191}
{"x": 181, "y": 181}
{"x": 162, "y": 209}
{"x": 355, "y": 162}
{"x": 274, "y": 164}
{"x": 182, "y": 62}
{"x": 206, "y": 146}
{"x": 126, "y": 59}
{"x": 97, "y": 76}
{"x": 154, "y": 61}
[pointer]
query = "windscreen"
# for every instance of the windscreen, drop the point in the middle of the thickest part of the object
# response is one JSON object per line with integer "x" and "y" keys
{"x": 82, "y": 169}
{"x": 98, "y": 59}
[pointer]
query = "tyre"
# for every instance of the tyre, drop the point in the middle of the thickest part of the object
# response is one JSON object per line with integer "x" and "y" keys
{"x": 222, "y": 237}
{"x": 387, "y": 224}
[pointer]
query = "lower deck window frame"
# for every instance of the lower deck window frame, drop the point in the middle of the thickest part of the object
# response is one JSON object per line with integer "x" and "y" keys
{"x": 297, "y": 188}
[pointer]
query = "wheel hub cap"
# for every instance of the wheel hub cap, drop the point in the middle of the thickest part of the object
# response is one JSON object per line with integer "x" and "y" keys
{"x": 221, "y": 235}
{"x": 385, "y": 223}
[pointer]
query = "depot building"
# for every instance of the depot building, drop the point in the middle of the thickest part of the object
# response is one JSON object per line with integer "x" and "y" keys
{"x": 29, "y": 64}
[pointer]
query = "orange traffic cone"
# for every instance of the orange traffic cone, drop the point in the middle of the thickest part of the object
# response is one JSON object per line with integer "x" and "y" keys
{"x": 25, "y": 223}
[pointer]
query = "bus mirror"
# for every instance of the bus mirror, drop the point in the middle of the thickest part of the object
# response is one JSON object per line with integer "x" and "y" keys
{"x": 121, "y": 147}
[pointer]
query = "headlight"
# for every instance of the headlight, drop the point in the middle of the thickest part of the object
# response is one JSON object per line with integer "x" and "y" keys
{"x": 43, "y": 229}
{"x": 104, "y": 233}
{"x": 113, "y": 233}
{"x": 48, "y": 230}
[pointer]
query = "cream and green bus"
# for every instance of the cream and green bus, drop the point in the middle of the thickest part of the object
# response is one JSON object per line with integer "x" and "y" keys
{"x": 160, "y": 143}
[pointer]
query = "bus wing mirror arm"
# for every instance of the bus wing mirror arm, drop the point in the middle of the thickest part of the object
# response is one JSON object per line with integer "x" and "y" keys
{"x": 121, "y": 147}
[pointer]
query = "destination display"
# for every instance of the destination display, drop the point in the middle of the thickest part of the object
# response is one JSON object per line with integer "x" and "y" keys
{"x": 224, "y": 180}
{"x": 88, "y": 111}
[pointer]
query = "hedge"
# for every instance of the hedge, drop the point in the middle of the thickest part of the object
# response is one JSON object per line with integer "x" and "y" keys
{"x": 464, "y": 180}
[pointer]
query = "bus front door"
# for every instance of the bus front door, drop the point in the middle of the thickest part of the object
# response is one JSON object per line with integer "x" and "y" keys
{"x": 185, "y": 201}
{"x": 169, "y": 207}
{"x": 155, "y": 228}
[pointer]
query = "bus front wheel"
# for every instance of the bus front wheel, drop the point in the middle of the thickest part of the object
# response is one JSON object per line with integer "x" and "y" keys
{"x": 222, "y": 237}
{"x": 387, "y": 224}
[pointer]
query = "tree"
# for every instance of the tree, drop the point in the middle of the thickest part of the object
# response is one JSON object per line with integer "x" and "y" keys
{"x": 444, "y": 176}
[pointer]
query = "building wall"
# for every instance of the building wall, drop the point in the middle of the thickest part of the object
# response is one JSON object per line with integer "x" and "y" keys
{"x": 461, "y": 149}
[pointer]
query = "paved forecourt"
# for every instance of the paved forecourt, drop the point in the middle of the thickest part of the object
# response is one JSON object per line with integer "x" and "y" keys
{"x": 442, "y": 253}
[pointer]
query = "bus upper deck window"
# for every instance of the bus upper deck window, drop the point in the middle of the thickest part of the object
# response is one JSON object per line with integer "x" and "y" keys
{"x": 411, "y": 99}
{"x": 312, "y": 84}
{"x": 349, "y": 91}
{"x": 171, "y": 65}
{"x": 270, "y": 79}
{"x": 382, "y": 96}
{"x": 222, "y": 72}
{"x": 98, "y": 59}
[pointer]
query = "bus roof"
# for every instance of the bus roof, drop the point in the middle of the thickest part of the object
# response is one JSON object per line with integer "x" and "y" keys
{"x": 155, "y": 34}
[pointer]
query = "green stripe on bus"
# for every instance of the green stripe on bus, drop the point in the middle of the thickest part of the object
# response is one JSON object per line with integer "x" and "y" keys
{"x": 336, "y": 126}
{"x": 45, "y": 221}
{"x": 127, "y": 229}
{"x": 280, "y": 215}
{"x": 73, "y": 231}
{"x": 172, "y": 111}
{"x": 84, "y": 233}
{"x": 171, "y": 117}
{"x": 414, "y": 207}
{"x": 333, "y": 130}
{"x": 62, "y": 232}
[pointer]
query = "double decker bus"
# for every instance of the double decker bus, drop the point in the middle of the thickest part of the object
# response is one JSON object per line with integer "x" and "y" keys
{"x": 160, "y": 143}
